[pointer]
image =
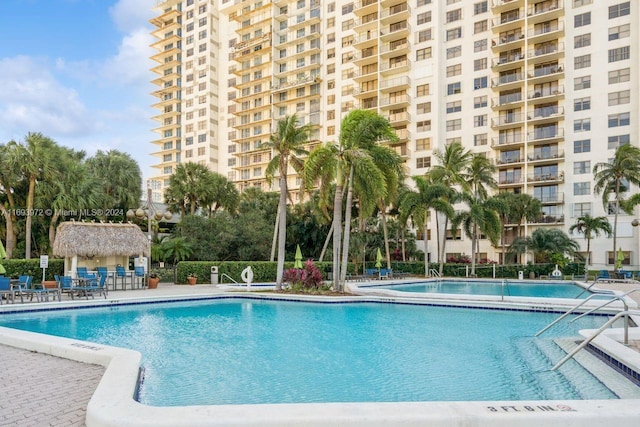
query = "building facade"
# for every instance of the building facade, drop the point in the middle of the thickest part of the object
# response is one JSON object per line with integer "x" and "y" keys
{"x": 519, "y": 81}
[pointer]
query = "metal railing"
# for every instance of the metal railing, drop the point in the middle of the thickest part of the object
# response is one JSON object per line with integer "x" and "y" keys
{"x": 434, "y": 273}
{"x": 228, "y": 277}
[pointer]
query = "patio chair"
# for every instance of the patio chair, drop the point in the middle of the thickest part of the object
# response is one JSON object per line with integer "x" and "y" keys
{"x": 604, "y": 274}
{"x": 66, "y": 286}
{"x": 7, "y": 290}
{"x": 96, "y": 286}
{"x": 123, "y": 274}
{"x": 27, "y": 287}
{"x": 139, "y": 275}
{"x": 81, "y": 271}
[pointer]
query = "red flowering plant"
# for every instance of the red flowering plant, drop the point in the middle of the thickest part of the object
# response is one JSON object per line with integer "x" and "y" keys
{"x": 306, "y": 279}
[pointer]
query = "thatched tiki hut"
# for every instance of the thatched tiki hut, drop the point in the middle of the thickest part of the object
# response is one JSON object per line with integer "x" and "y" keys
{"x": 91, "y": 245}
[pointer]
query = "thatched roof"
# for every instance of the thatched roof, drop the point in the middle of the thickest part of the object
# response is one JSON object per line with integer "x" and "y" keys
{"x": 99, "y": 239}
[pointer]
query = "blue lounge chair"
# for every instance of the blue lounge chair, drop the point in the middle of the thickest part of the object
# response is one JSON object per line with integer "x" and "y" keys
{"x": 604, "y": 274}
{"x": 81, "y": 271}
{"x": 95, "y": 286}
{"x": 7, "y": 290}
{"x": 66, "y": 286}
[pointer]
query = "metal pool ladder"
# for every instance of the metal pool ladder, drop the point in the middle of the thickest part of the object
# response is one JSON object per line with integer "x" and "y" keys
{"x": 434, "y": 273}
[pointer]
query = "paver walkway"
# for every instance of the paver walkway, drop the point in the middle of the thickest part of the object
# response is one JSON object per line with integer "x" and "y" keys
{"x": 42, "y": 390}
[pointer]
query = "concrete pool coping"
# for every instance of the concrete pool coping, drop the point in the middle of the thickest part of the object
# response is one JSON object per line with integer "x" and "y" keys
{"x": 113, "y": 402}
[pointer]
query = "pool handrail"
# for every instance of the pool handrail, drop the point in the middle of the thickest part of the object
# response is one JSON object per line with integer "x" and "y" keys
{"x": 571, "y": 310}
{"x": 586, "y": 342}
{"x": 618, "y": 297}
{"x": 434, "y": 273}
{"x": 606, "y": 280}
{"x": 228, "y": 277}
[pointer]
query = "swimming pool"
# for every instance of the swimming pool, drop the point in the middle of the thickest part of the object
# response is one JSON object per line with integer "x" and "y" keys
{"x": 507, "y": 288}
{"x": 242, "y": 350}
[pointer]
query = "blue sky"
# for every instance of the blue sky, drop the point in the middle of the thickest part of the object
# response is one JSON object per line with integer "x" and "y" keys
{"x": 78, "y": 71}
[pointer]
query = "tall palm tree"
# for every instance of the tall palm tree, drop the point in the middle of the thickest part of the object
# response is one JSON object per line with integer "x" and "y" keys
{"x": 348, "y": 162}
{"x": 452, "y": 172}
{"x": 503, "y": 203}
{"x": 287, "y": 144}
{"x": 33, "y": 160}
{"x": 187, "y": 188}
{"x": 481, "y": 216}
{"x": 9, "y": 180}
{"x": 429, "y": 196}
{"x": 612, "y": 177}
{"x": 590, "y": 227}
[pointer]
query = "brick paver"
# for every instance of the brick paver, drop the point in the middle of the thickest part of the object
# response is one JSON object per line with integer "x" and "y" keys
{"x": 42, "y": 390}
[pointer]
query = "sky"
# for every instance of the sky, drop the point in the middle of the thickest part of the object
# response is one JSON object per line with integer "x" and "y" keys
{"x": 78, "y": 71}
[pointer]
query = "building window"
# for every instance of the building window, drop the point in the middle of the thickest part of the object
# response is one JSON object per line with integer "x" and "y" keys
{"x": 423, "y": 108}
{"x": 454, "y": 15}
{"x": 582, "y": 104}
{"x": 581, "y": 209}
{"x": 616, "y": 141}
{"x": 424, "y": 17}
{"x": 422, "y": 90}
{"x": 480, "y": 120}
{"x": 454, "y": 33}
{"x": 582, "y": 146}
{"x": 619, "y": 76}
{"x": 454, "y": 107}
{"x": 480, "y": 101}
{"x": 619, "y": 32}
{"x": 480, "y": 139}
{"x": 581, "y": 188}
{"x": 453, "y": 88}
{"x": 583, "y": 61}
{"x": 619, "y": 54}
{"x": 455, "y": 124}
{"x": 617, "y": 120}
{"x": 423, "y": 162}
{"x": 620, "y": 9}
{"x": 612, "y": 257}
{"x": 582, "y": 19}
{"x": 423, "y": 126}
{"x": 580, "y": 168}
{"x": 582, "y": 125}
{"x": 480, "y": 26}
{"x": 454, "y": 52}
{"x": 618, "y": 98}
{"x": 480, "y": 7}
{"x": 422, "y": 54}
{"x": 479, "y": 83}
{"x": 424, "y": 35}
{"x": 578, "y": 3}
{"x": 582, "y": 83}
{"x": 480, "y": 64}
{"x": 454, "y": 70}
{"x": 423, "y": 144}
{"x": 583, "y": 40}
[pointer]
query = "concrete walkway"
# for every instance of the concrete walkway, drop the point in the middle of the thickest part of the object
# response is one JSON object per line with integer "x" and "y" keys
{"x": 50, "y": 391}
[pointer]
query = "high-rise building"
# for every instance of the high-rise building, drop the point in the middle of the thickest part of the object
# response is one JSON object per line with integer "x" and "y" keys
{"x": 516, "y": 80}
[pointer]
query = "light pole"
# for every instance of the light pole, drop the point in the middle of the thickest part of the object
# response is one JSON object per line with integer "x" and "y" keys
{"x": 148, "y": 211}
{"x": 635, "y": 223}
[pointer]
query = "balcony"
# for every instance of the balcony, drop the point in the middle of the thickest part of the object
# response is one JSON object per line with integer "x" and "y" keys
{"x": 389, "y": 85}
{"x": 507, "y": 60}
{"x": 402, "y": 150}
{"x": 394, "y": 67}
{"x": 546, "y": 178}
{"x": 547, "y": 156}
{"x": 509, "y": 100}
{"x": 546, "y": 31}
{"x": 543, "y": 94}
{"x": 545, "y": 114}
{"x": 501, "y": 5}
{"x": 508, "y": 120}
{"x": 507, "y": 41}
{"x": 365, "y": 57}
{"x": 549, "y": 219}
{"x": 546, "y": 72}
{"x": 507, "y": 141}
{"x": 545, "y": 10}
{"x": 545, "y": 135}
{"x": 505, "y": 80}
{"x": 402, "y": 118}
{"x": 509, "y": 181}
{"x": 365, "y": 7}
{"x": 399, "y": 29}
{"x": 547, "y": 52}
{"x": 508, "y": 20}
{"x": 366, "y": 39}
{"x": 401, "y": 101}
{"x": 395, "y": 48}
{"x": 397, "y": 12}
{"x": 509, "y": 160}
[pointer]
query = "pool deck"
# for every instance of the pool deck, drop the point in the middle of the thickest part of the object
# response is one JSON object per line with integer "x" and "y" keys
{"x": 55, "y": 391}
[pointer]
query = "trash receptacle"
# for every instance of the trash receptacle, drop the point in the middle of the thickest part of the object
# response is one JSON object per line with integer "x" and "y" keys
{"x": 520, "y": 275}
{"x": 214, "y": 275}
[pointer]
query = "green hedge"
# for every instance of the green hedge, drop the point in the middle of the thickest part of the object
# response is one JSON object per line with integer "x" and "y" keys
{"x": 265, "y": 271}
{"x": 31, "y": 267}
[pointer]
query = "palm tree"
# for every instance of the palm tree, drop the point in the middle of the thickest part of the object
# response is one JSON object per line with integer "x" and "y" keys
{"x": 348, "y": 163}
{"x": 287, "y": 144}
{"x": 9, "y": 180}
{"x": 120, "y": 178}
{"x": 544, "y": 242}
{"x": 219, "y": 193}
{"x": 613, "y": 177}
{"x": 452, "y": 172}
{"x": 187, "y": 188}
{"x": 590, "y": 227}
{"x": 503, "y": 204}
{"x": 429, "y": 196}
{"x": 33, "y": 160}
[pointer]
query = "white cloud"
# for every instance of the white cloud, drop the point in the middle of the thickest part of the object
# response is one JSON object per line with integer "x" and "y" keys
{"x": 132, "y": 64}
{"x": 130, "y": 15}
{"x": 31, "y": 99}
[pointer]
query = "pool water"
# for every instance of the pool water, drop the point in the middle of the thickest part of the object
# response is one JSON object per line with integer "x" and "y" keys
{"x": 509, "y": 288}
{"x": 238, "y": 351}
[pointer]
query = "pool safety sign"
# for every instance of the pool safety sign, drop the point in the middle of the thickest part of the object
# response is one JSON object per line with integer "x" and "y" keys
{"x": 530, "y": 408}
